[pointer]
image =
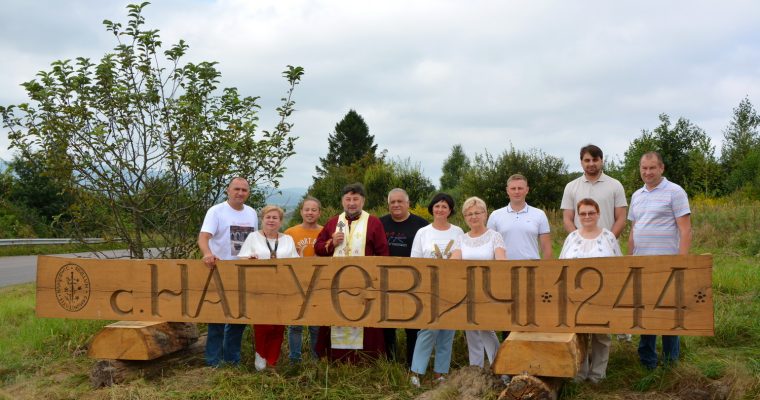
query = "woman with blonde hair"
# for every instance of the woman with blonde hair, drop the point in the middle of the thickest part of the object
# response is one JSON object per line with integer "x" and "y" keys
{"x": 268, "y": 243}
{"x": 480, "y": 243}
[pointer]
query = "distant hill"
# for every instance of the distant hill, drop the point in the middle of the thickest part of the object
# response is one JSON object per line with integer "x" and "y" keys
{"x": 287, "y": 199}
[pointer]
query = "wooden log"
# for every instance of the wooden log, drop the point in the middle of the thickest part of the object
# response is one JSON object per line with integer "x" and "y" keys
{"x": 141, "y": 340}
{"x": 541, "y": 354}
{"x": 113, "y": 372}
{"x": 524, "y": 387}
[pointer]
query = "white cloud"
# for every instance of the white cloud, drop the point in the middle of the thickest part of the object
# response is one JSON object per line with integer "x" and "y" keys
{"x": 426, "y": 75}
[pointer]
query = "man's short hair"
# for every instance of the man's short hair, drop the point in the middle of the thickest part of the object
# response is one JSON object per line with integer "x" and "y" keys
{"x": 311, "y": 198}
{"x": 652, "y": 154}
{"x": 234, "y": 178}
{"x": 398, "y": 190}
{"x": 445, "y": 197}
{"x": 517, "y": 177}
{"x": 593, "y": 151}
{"x": 355, "y": 188}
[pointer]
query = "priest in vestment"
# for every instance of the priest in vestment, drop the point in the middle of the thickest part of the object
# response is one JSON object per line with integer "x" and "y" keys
{"x": 351, "y": 233}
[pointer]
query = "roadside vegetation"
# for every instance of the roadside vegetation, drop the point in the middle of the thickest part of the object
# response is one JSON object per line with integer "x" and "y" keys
{"x": 45, "y": 358}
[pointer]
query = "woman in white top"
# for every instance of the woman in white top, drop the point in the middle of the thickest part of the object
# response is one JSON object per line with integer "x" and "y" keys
{"x": 435, "y": 241}
{"x": 266, "y": 244}
{"x": 592, "y": 241}
{"x": 480, "y": 243}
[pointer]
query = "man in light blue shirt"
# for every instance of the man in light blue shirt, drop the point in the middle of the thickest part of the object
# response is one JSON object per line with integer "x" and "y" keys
{"x": 525, "y": 229}
{"x": 660, "y": 225}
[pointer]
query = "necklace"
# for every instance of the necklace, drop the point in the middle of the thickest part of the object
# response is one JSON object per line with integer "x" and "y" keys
{"x": 272, "y": 252}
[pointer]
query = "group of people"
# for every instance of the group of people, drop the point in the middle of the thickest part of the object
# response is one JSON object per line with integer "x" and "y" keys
{"x": 594, "y": 215}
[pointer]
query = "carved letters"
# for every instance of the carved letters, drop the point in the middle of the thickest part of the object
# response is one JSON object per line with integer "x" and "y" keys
{"x": 653, "y": 294}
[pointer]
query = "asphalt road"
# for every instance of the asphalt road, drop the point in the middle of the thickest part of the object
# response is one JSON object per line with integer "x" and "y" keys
{"x": 23, "y": 269}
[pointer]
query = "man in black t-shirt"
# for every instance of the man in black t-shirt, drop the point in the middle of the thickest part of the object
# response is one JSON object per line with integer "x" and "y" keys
{"x": 400, "y": 227}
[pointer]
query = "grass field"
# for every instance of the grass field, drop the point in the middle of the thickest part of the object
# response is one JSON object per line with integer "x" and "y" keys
{"x": 44, "y": 358}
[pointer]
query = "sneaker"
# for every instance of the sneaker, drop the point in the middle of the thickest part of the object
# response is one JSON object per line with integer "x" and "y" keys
{"x": 505, "y": 379}
{"x": 624, "y": 337}
{"x": 415, "y": 381}
{"x": 260, "y": 363}
{"x": 439, "y": 380}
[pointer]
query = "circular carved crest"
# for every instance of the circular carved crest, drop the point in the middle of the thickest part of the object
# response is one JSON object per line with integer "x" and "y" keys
{"x": 72, "y": 287}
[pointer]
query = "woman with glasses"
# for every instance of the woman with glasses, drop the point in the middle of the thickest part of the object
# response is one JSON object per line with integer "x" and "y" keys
{"x": 435, "y": 241}
{"x": 480, "y": 243}
{"x": 592, "y": 241}
{"x": 268, "y": 243}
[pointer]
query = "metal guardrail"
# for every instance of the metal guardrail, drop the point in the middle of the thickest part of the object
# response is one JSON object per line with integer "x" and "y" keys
{"x": 22, "y": 242}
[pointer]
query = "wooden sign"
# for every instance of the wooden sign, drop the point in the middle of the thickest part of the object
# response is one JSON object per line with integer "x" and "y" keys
{"x": 633, "y": 294}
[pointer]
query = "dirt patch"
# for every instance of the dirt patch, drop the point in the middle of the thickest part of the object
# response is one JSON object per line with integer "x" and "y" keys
{"x": 468, "y": 383}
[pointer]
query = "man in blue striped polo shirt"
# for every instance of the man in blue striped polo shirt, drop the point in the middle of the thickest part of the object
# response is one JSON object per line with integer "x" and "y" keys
{"x": 660, "y": 224}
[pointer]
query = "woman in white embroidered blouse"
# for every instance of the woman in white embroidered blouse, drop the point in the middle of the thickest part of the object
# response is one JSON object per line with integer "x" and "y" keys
{"x": 592, "y": 241}
{"x": 480, "y": 243}
{"x": 266, "y": 244}
{"x": 435, "y": 241}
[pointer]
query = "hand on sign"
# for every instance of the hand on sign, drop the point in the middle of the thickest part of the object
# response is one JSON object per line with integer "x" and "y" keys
{"x": 210, "y": 260}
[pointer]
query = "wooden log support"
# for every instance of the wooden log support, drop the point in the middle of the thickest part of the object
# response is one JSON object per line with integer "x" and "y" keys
{"x": 523, "y": 387}
{"x": 141, "y": 340}
{"x": 113, "y": 372}
{"x": 541, "y": 354}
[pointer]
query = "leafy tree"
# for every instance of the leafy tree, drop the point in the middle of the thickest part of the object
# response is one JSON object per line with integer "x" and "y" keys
{"x": 349, "y": 143}
{"x": 686, "y": 151}
{"x": 740, "y": 140}
{"x": 116, "y": 128}
{"x": 487, "y": 178}
{"x": 328, "y": 187}
{"x": 454, "y": 167}
{"x": 32, "y": 186}
{"x": 411, "y": 178}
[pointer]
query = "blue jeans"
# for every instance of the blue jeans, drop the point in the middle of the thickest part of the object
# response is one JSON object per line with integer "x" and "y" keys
{"x": 295, "y": 343}
{"x": 223, "y": 343}
{"x": 671, "y": 349}
{"x": 442, "y": 340}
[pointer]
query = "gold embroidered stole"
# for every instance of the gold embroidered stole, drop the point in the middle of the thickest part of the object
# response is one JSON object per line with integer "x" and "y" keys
{"x": 346, "y": 337}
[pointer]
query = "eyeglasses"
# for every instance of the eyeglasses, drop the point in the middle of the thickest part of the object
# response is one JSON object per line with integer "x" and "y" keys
{"x": 474, "y": 214}
{"x": 587, "y": 214}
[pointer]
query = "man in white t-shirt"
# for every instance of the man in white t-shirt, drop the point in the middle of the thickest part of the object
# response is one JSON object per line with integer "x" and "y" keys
{"x": 224, "y": 230}
{"x": 525, "y": 229}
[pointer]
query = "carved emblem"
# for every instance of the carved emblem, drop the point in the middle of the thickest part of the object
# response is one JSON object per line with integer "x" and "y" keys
{"x": 72, "y": 287}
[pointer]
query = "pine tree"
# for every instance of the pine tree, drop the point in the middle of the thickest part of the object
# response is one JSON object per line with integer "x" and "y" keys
{"x": 349, "y": 143}
{"x": 454, "y": 167}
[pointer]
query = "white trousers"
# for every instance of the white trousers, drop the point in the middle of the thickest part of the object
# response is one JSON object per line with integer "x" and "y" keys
{"x": 479, "y": 342}
{"x": 594, "y": 366}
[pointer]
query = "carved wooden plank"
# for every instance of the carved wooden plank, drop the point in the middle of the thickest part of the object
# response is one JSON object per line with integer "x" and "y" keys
{"x": 632, "y": 294}
{"x": 141, "y": 340}
{"x": 541, "y": 354}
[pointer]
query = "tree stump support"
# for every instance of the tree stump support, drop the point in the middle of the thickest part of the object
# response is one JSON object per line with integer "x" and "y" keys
{"x": 112, "y": 372}
{"x": 139, "y": 340}
{"x": 538, "y": 363}
{"x": 524, "y": 387}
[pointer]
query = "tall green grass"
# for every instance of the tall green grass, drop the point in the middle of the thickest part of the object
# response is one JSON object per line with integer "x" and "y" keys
{"x": 43, "y": 358}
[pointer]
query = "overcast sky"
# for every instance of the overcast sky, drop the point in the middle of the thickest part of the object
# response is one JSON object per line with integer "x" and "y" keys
{"x": 426, "y": 75}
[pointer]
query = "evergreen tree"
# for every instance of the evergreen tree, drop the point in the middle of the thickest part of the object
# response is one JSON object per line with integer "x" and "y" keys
{"x": 741, "y": 146}
{"x": 454, "y": 167}
{"x": 741, "y": 134}
{"x": 349, "y": 143}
